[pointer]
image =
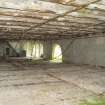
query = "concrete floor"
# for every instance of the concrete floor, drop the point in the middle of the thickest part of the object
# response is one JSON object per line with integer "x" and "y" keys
{"x": 52, "y": 84}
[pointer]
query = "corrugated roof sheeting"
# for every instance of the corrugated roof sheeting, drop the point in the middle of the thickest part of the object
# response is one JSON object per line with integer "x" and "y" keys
{"x": 50, "y": 19}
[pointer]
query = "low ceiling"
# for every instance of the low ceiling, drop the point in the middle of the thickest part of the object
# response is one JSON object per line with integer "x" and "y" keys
{"x": 51, "y": 19}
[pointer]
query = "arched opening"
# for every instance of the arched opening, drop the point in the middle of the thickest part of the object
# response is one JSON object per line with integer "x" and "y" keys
{"x": 56, "y": 53}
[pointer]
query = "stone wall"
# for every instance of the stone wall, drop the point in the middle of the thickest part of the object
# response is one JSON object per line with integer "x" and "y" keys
{"x": 84, "y": 51}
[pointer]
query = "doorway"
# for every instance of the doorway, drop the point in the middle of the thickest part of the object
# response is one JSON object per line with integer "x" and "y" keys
{"x": 56, "y": 53}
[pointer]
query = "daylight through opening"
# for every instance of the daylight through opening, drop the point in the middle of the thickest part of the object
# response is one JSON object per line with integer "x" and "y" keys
{"x": 57, "y": 53}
